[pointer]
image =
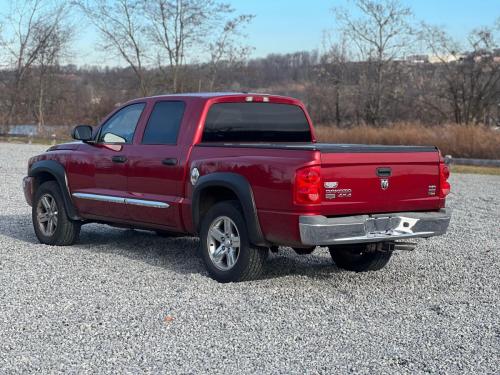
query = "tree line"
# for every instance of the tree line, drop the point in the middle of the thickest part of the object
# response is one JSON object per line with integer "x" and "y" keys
{"x": 367, "y": 72}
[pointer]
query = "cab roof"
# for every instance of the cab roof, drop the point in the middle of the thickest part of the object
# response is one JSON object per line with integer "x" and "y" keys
{"x": 220, "y": 96}
{"x": 211, "y": 95}
{"x": 206, "y": 95}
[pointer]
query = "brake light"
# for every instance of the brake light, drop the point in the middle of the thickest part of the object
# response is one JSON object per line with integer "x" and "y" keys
{"x": 444, "y": 174}
{"x": 307, "y": 186}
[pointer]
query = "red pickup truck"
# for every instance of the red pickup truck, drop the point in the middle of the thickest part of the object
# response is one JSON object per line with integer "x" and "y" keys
{"x": 244, "y": 173}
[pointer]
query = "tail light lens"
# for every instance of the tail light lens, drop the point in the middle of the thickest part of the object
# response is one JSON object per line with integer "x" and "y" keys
{"x": 444, "y": 174}
{"x": 307, "y": 189}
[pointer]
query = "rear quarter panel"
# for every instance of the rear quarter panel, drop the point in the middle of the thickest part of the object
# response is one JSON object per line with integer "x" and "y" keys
{"x": 271, "y": 174}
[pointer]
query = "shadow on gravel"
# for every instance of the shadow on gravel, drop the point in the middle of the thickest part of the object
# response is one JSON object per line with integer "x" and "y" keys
{"x": 287, "y": 263}
{"x": 18, "y": 227}
{"x": 178, "y": 254}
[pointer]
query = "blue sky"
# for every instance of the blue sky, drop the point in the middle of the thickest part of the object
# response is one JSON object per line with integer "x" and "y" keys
{"x": 292, "y": 25}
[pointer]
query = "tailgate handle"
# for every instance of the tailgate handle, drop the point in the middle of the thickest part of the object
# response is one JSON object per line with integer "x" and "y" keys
{"x": 384, "y": 172}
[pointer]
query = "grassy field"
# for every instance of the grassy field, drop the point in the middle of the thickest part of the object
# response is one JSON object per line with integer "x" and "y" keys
{"x": 380, "y": 136}
{"x": 459, "y": 141}
{"x": 471, "y": 169}
{"x": 477, "y": 142}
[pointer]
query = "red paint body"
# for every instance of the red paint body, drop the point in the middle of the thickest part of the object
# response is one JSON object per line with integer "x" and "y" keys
{"x": 270, "y": 172}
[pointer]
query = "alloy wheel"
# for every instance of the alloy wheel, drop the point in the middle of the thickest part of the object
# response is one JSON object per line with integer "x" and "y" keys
{"x": 223, "y": 242}
{"x": 47, "y": 214}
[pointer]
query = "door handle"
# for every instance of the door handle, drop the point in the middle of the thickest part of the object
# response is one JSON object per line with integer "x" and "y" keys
{"x": 169, "y": 161}
{"x": 119, "y": 159}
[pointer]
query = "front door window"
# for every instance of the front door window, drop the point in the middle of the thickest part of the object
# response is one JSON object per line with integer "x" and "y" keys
{"x": 120, "y": 128}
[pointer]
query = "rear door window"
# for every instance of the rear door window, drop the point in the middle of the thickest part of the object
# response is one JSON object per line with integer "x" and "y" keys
{"x": 256, "y": 122}
{"x": 164, "y": 122}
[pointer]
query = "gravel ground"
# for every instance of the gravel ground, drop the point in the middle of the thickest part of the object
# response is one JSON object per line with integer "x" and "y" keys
{"x": 129, "y": 301}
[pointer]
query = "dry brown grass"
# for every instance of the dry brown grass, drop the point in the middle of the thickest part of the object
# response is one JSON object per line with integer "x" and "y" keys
{"x": 458, "y": 141}
{"x": 472, "y": 169}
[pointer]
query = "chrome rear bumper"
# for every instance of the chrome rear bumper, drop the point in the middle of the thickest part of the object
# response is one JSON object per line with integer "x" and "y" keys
{"x": 320, "y": 230}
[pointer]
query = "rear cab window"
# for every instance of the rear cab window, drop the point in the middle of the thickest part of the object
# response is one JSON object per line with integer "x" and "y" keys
{"x": 164, "y": 123}
{"x": 256, "y": 122}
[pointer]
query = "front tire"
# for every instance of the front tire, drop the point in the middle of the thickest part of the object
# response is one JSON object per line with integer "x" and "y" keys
{"x": 225, "y": 246}
{"x": 361, "y": 257}
{"x": 50, "y": 220}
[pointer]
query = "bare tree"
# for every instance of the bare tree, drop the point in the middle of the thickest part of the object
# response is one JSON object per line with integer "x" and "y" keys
{"x": 469, "y": 75}
{"x": 180, "y": 27}
{"x": 32, "y": 24}
{"x": 331, "y": 76}
{"x": 226, "y": 48}
{"x": 49, "y": 57}
{"x": 121, "y": 24}
{"x": 381, "y": 35}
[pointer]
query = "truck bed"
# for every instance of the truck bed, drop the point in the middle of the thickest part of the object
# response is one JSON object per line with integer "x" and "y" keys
{"x": 325, "y": 147}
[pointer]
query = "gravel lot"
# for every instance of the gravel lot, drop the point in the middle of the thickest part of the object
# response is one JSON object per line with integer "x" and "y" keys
{"x": 101, "y": 305}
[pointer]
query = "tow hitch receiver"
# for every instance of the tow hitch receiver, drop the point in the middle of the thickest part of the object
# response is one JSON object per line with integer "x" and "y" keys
{"x": 405, "y": 246}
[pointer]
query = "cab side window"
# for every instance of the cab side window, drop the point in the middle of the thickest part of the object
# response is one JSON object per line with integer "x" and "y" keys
{"x": 164, "y": 122}
{"x": 121, "y": 126}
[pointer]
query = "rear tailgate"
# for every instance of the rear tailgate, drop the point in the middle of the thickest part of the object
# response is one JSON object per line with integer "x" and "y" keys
{"x": 376, "y": 179}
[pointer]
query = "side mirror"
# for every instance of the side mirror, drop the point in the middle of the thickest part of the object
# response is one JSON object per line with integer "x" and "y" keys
{"x": 82, "y": 133}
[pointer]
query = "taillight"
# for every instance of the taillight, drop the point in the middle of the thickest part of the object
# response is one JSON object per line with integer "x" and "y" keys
{"x": 308, "y": 185}
{"x": 444, "y": 174}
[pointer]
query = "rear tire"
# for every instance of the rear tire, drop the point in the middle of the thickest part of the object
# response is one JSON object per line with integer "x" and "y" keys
{"x": 225, "y": 246}
{"x": 50, "y": 220}
{"x": 361, "y": 257}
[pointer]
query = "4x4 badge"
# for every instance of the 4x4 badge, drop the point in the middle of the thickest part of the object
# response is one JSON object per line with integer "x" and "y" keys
{"x": 384, "y": 183}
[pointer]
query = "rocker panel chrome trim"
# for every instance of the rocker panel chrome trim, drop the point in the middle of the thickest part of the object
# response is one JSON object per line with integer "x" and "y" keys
{"x": 112, "y": 199}
{"x": 97, "y": 197}
{"x": 140, "y": 202}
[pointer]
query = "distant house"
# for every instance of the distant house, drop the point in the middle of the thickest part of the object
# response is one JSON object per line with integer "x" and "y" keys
{"x": 437, "y": 59}
{"x": 417, "y": 59}
{"x": 496, "y": 55}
